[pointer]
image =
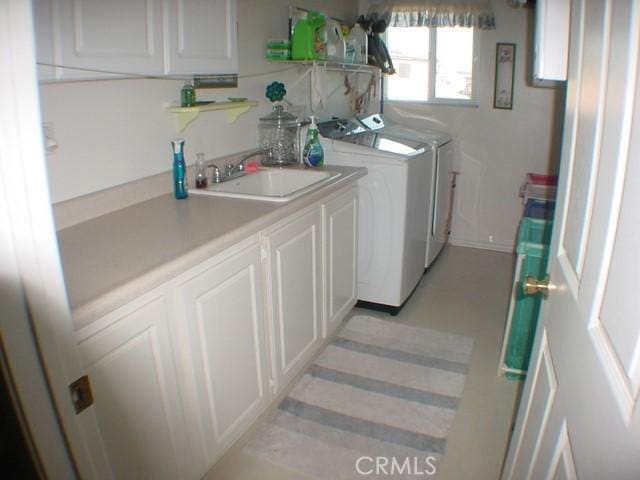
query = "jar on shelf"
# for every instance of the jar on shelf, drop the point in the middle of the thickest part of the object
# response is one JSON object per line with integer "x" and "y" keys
{"x": 280, "y": 137}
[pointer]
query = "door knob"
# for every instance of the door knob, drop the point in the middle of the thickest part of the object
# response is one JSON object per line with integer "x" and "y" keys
{"x": 532, "y": 285}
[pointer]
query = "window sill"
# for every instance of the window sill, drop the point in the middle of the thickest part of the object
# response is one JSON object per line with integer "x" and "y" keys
{"x": 442, "y": 103}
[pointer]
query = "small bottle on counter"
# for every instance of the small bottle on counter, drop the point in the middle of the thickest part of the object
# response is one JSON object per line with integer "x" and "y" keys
{"x": 201, "y": 171}
{"x": 188, "y": 95}
{"x": 180, "y": 184}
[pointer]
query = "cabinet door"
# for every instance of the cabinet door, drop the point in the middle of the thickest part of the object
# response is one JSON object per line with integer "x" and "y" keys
{"x": 43, "y": 28}
{"x": 341, "y": 243}
{"x": 295, "y": 269}
{"x": 137, "y": 413}
{"x": 110, "y": 36}
{"x": 201, "y": 37}
{"x": 223, "y": 308}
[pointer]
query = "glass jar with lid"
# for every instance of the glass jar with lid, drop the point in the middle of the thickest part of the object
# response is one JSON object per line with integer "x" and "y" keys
{"x": 280, "y": 137}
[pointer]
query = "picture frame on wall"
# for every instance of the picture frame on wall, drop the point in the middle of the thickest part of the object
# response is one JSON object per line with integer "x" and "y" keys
{"x": 505, "y": 71}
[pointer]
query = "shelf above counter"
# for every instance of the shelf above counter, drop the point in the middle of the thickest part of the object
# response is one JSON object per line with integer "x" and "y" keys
{"x": 330, "y": 65}
{"x": 186, "y": 115}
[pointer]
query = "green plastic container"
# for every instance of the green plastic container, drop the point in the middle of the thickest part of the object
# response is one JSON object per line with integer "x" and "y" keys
{"x": 533, "y": 253}
{"x": 310, "y": 38}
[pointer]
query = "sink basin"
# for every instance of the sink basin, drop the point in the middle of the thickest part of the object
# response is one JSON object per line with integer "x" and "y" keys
{"x": 271, "y": 184}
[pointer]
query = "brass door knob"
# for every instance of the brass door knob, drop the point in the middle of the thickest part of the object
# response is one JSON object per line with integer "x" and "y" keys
{"x": 532, "y": 285}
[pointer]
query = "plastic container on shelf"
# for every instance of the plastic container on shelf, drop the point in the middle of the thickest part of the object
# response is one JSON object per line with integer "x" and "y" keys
{"x": 356, "y": 46}
{"x": 532, "y": 254}
{"x": 541, "y": 209}
{"x": 541, "y": 179}
{"x": 335, "y": 41}
{"x": 539, "y": 186}
{"x": 310, "y": 38}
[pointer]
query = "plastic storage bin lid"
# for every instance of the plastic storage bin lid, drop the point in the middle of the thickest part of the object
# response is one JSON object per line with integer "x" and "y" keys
{"x": 541, "y": 179}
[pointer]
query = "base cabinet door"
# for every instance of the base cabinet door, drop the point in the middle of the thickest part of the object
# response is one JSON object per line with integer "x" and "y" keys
{"x": 341, "y": 244}
{"x": 222, "y": 310}
{"x": 137, "y": 412}
{"x": 295, "y": 300}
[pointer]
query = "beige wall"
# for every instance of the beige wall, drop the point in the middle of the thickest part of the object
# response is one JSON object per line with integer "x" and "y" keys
{"x": 494, "y": 149}
{"x": 113, "y": 132}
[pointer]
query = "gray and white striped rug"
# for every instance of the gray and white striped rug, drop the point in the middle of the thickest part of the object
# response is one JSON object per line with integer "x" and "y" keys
{"x": 377, "y": 403}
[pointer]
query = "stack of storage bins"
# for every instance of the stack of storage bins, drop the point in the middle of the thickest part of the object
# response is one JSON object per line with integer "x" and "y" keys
{"x": 532, "y": 250}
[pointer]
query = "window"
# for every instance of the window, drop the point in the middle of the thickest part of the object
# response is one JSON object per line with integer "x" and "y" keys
{"x": 418, "y": 78}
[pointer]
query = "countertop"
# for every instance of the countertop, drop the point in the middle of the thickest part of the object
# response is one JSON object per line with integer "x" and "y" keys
{"x": 112, "y": 259}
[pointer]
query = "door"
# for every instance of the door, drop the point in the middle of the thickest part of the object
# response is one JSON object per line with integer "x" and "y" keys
{"x": 221, "y": 309}
{"x": 138, "y": 415}
{"x": 98, "y": 38}
{"x": 295, "y": 303}
{"x": 341, "y": 247}
{"x": 579, "y": 416}
{"x": 201, "y": 37}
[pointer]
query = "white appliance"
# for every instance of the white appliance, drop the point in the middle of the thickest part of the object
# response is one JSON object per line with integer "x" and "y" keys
{"x": 393, "y": 208}
{"x": 439, "y": 177}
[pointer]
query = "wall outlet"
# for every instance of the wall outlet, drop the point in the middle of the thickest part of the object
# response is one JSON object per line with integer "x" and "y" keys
{"x": 49, "y": 137}
{"x": 491, "y": 240}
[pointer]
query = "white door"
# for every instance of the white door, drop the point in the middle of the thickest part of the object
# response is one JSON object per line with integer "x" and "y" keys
{"x": 295, "y": 300}
{"x": 579, "y": 416}
{"x": 201, "y": 37}
{"x": 341, "y": 247}
{"x": 137, "y": 418}
{"x": 120, "y": 36}
{"x": 222, "y": 312}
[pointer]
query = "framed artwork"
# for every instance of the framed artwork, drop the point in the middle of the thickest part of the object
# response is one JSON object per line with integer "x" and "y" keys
{"x": 505, "y": 63}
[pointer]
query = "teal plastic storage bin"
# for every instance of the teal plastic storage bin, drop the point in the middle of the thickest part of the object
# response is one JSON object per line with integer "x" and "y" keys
{"x": 533, "y": 253}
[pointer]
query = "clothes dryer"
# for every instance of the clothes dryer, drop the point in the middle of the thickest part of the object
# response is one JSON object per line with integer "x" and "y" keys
{"x": 439, "y": 181}
{"x": 392, "y": 223}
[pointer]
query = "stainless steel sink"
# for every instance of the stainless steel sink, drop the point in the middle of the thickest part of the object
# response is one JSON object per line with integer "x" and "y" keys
{"x": 272, "y": 184}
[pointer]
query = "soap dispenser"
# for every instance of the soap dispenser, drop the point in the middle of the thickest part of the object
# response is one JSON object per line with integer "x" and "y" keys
{"x": 313, "y": 153}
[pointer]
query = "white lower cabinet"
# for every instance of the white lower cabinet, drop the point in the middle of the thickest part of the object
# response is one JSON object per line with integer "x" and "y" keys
{"x": 340, "y": 244}
{"x": 221, "y": 308}
{"x": 137, "y": 413}
{"x": 181, "y": 372}
{"x": 295, "y": 300}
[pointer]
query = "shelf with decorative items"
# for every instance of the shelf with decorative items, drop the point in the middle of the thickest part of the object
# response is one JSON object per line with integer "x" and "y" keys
{"x": 330, "y": 65}
{"x": 186, "y": 115}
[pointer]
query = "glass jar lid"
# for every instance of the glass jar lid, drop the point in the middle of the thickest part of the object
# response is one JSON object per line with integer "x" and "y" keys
{"x": 280, "y": 117}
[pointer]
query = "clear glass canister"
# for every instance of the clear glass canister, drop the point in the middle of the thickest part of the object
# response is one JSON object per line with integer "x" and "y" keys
{"x": 280, "y": 137}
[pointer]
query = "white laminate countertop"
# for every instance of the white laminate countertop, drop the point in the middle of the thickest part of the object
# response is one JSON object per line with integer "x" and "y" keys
{"x": 112, "y": 259}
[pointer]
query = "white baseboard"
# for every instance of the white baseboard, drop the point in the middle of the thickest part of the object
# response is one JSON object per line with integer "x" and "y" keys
{"x": 496, "y": 247}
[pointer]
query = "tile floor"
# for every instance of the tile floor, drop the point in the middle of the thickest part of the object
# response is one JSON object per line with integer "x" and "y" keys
{"x": 466, "y": 292}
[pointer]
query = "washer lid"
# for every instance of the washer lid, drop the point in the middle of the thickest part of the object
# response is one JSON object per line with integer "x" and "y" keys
{"x": 385, "y": 143}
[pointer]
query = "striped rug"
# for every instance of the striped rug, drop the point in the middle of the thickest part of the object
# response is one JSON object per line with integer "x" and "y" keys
{"x": 377, "y": 403}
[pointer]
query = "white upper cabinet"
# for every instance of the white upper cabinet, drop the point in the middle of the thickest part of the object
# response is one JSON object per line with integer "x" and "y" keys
{"x": 551, "y": 44}
{"x": 93, "y": 39}
{"x": 201, "y": 37}
{"x": 123, "y": 36}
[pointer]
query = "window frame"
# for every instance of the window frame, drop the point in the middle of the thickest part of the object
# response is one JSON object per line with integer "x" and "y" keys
{"x": 431, "y": 98}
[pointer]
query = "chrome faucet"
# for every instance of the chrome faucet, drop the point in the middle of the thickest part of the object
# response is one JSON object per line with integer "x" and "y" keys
{"x": 239, "y": 167}
{"x": 231, "y": 171}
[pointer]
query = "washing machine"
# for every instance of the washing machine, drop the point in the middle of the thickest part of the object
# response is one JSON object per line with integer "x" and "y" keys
{"x": 439, "y": 181}
{"x": 393, "y": 208}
